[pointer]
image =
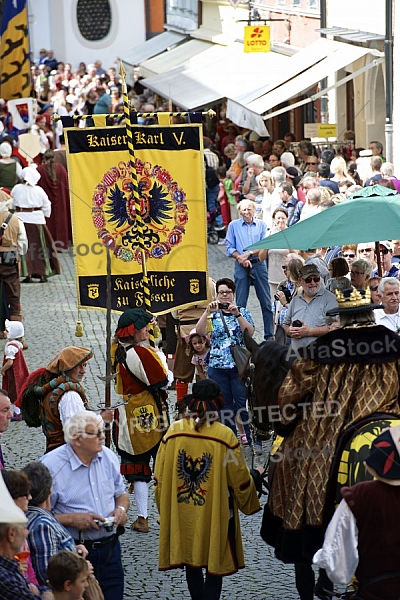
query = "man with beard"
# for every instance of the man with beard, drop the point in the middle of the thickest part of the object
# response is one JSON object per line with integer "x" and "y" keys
{"x": 305, "y": 319}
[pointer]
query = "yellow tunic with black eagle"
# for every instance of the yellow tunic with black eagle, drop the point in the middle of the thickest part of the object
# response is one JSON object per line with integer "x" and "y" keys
{"x": 202, "y": 480}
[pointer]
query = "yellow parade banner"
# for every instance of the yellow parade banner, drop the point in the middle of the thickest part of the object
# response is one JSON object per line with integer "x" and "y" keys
{"x": 15, "y": 68}
{"x": 170, "y": 176}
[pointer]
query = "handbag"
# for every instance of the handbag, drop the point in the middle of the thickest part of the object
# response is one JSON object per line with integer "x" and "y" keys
{"x": 93, "y": 590}
{"x": 240, "y": 354}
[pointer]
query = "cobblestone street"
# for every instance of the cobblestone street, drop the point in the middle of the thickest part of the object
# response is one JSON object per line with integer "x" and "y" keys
{"x": 50, "y": 320}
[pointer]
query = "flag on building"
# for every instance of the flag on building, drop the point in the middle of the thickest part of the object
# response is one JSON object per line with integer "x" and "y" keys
{"x": 21, "y": 111}
{"x": 170, "y": 174}
{"x": 15, "y": 76}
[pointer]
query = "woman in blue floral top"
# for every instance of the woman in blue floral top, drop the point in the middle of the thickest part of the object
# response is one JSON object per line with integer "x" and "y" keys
{"x": 222, "y": 367}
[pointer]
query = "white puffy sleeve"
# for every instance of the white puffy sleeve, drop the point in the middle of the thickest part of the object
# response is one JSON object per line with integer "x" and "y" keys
{"x": 339, "y": 553}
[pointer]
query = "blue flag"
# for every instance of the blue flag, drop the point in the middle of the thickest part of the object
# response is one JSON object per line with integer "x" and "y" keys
{"x": 15, "y": 77}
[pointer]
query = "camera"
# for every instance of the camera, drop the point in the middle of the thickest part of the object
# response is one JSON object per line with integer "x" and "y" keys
{"x": 223, "y": 305}
{"x": 297, "y": 323}
{"x": 287, "y": 293}
{"x": 108, "y": 523}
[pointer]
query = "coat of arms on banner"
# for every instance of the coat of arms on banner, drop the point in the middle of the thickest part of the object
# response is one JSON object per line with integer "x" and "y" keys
{"x": 163, "y": 211}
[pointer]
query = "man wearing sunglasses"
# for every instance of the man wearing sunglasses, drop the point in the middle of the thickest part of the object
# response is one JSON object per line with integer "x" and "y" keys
{"x": 388, "y": 268}
{"x": 305, "y": 319}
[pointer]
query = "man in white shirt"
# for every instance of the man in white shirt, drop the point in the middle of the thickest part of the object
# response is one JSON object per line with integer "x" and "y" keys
{"x": 389, "y": 315}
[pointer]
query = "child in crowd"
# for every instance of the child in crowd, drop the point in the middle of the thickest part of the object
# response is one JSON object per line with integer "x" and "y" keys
{"x": 338, "y": 269}
{"x": 198, "y": 349}
{"x": 67, "y": 574}
{"x": 14, "y": 369}
{"x": 225, "y": 186}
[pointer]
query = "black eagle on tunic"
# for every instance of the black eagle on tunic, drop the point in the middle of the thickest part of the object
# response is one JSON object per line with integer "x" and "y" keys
{"x": 193, "y": 471}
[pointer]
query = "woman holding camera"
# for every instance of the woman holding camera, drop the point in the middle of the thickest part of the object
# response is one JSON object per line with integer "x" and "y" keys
{"x": 228, "y": 323}
{"x": 289, "y": 287}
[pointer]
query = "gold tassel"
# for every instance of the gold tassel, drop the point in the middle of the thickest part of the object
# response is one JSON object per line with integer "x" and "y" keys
{"x": 209, "y": 326}
{"x": 79, "y": 329}
{"x": 156, "y": 331}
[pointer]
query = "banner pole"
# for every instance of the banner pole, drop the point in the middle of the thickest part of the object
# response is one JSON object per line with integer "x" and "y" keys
{"x": 107, "y": 395}
{"x": 135, "y": 193}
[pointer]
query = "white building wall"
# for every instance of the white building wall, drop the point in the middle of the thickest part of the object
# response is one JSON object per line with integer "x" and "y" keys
{"x": 53, "y": 25}
{"x": 365, "y": 15}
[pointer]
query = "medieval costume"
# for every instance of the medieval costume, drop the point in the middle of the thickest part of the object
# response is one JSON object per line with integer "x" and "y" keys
{"x": 362, "y": 538}
{"x": 16, "y": 373}
{"x": 345, "y": 376}
{"x": 13, "y": 243}
{"x": 139, "y": 425}
{"x": 57, "y": 394}
{"x": 202, "y": 481}
{"x": 32, "y": 205}
{"x": 54, "y": 181}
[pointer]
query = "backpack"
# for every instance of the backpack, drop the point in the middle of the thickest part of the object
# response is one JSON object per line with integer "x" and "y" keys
{"x": 211, "y": 176}
{"x": 29, "y": 401}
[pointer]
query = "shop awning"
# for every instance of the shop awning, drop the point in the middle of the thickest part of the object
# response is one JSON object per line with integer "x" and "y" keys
{"x": 152, "y": 47}
{"x": 304, "y": 70}
{"x": 173, "y": 58}
{"x": 217, "y": 73}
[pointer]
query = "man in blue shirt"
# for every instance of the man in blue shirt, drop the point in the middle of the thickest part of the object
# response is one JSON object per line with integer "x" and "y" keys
{"x": 249, "y": 266}
{"x": 88, "y": 488}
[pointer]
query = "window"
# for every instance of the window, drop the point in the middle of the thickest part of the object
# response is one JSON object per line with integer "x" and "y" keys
{"x": 182, "y": 14}
{"x": 94, "y": 19}
{"x": 281, "y": 2}
{"x": 314, "y": 4}
{"x": 296, "y": 2}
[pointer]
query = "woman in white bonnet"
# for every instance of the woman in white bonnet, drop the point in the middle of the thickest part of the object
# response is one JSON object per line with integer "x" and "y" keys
{"x": 10, "y": 170}
{"x": 32, "y": 205}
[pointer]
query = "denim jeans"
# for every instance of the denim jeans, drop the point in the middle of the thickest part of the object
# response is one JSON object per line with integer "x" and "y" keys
{"x": 108, "y": 570}
{"x": 211, "y": 197}
{"x": 235, "y": 397}
{"x": 242, "y": 279}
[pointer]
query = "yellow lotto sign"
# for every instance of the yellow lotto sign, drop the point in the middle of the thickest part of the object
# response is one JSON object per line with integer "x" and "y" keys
{"x": 257, "y": 39}
{"x": 170, "y": 180}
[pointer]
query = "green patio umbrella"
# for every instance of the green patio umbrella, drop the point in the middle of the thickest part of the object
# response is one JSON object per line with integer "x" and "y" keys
{"x": 372, "y": 214}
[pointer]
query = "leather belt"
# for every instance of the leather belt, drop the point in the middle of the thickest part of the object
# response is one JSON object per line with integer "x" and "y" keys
{"x": 96, "y": 544}
{"x": 254, "y": 260}
{"x": 20, "y": 209}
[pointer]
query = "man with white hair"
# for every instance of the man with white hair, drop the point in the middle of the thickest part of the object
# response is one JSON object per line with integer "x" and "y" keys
{"x": 88, "y": 489}
{"x": 387, "y": 172}
{"x": 249, "y": 264}
{"x": 389, "y": 315}
{"x": 256, "y": 166}
{"x": 311, "y": 206}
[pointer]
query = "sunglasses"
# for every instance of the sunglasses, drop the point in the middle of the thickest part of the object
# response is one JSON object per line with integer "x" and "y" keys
{"x": 373, "y": 288}
{"x": 349, "y": 255}
{"x": 315, "y": 279}
{"x": 384, "y": 250}
{"x": 284, "y": 268}
{"x": 312, "y": 163}
{"x": 366, "y": 250}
